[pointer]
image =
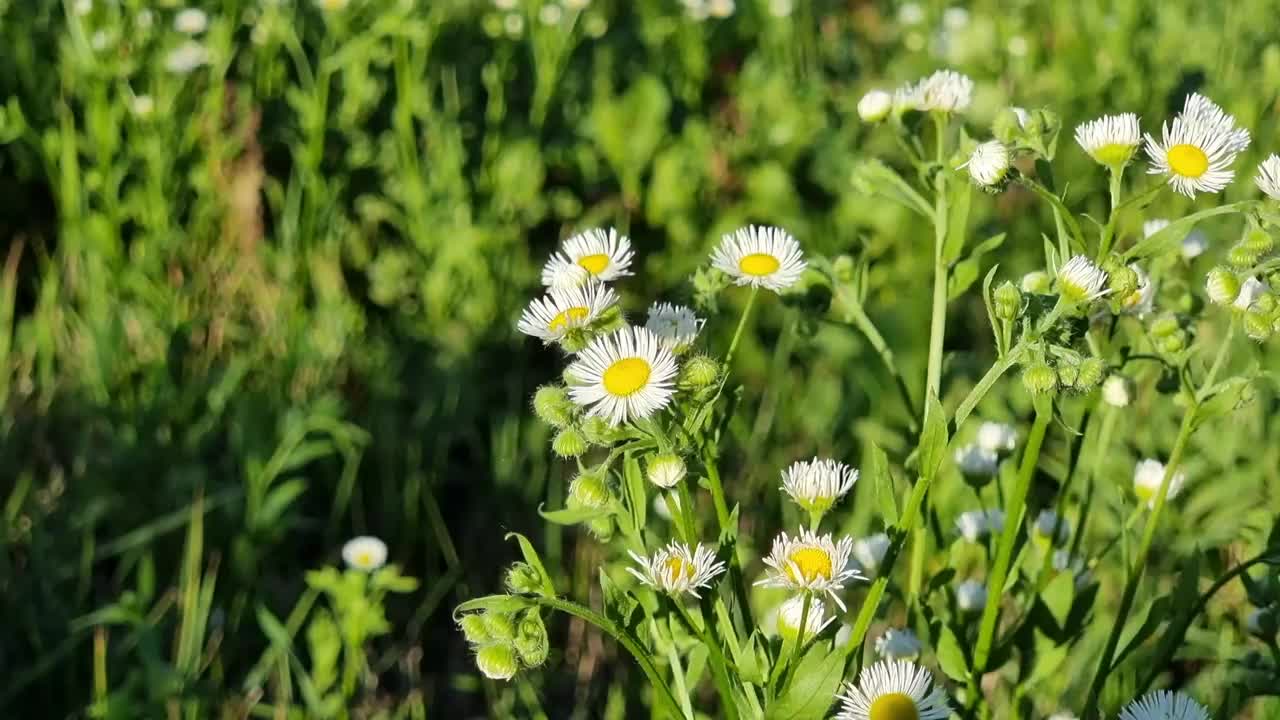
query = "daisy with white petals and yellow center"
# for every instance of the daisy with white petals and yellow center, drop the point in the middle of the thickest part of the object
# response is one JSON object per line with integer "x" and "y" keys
{"x": 594, "y": 254}
{"x": 623, "y": 376}
{"x": 1164, "y": 705}
{"x": 1268, "y": 178}
{"x": 810, "y": 562}
{"x": 816, "y": 485}
{"x": 561, "y": 311}
{"x": 764, "y": 257}
{"x": 675, "y": 325}
{"x": 1148, "y": 475}
{"x": 677, "y": 570}
{"x": 365, "y": 553}
{"x": 1197, "y": 149}
{"x": 893, "y": 690}
{"x": 1081, "y": 281}
{"x": 1111, "y": 139}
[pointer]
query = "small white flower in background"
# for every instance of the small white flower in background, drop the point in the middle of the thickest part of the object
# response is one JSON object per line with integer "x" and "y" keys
{"x": 1063, "y": 561}
{"x": 1194, "y": 244}
{"x": 781, "y": 8}
{"x": 945, "y": 90}
{"x": 1022, "y": 115}
{"x": 101, "y": 40}
{"x": 560, "y": 312}
{"x": 143, "y": 106}
{"x": 1141, "y": 301}
{"x": 971, "y": 595}
{"x": 955, "y": 18}
{"x": 1222, "y": 286}
{"x": 675, "y": 325}
{"x": 1268, "y": 178}
{"x": 595, "y": 253}
{"x": 976, "y": 461}
{"x": 1164, "y": 705}
{"x": 977, "y": 524}
{"x": 513, "y": 26}
{"x": 1111, "y": 139}
{"x": 144, "y": 19}
{"x": 1250, "y": 290}
{"x": 191, "y": 21}
{"x": 1148, "y": 474}
{"x": 997, "y": 437}
{"x": 665, "y": 470}
{"x": 550, "y": 14}
{"x": 875, "y": 105}
{"x": 1153, "y": 226}
{"x": 1018, "y": 46}
{"x": 869, "y": 551}
{"x": 910, "y": 13}
{"x": 818, "y": 484}
{"x": 898, "y": 644}
{"x": 791, "y": 612}
{"x": 1037, "y": 282}
{"x": 1082, "y": 281}
{"x": 1051, "y": 528}
{"x": 893, "y": 690}
{"x": 1196, "y": 151}
{"x": 720, "y": 8}
{"x": 989, "y": 163}
{"x": 766, "y": 257}
{"x": 80, "y": 8}
{"x": 810, "y": 562}
{"x": 366, "y": 553}
{"x": 186, "y": 58}
{"x": 1063, "y": 715}
{"x": 676, "y": 569}
{"x": 1117, "y": 391}
{"x": 626, "y": 375}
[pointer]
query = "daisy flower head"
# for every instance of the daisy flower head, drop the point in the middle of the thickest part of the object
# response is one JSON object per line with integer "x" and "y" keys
{"x": 989, "y": 164}
{"x": 625, "y": 375}
{"x": 1117, "y": 391}
{"x": 365, "y": 553}
{"x": 976, "y": 461}
{"x": 945, "y": 91}
{"x": 893, "y": 690}
{"x": 1197, "y": 149}
{"x": 898, "y": 644}
{"x": 1164, "y": 705}
{"x": 997, "y": 437}
{"x": 875, "y": 106}
{"x": 1148, "y": 475}
{"x": 818, "y": 484}
{"x": 676, "y": 569}
{"x": 791, "y": 614}
{"x": 1049, "y": 528}
{"x": 1081, "y": 281}
{"x": 1141, "y": 301}
{"x": 810, "y": 562}
{"x": 594, "y": 254}
{"x": 971, "y": 595}
{"x": 675, "y": 325}
{"x": 869, "y": 551}
{"x": 560, "y": 312}
{"x": 977, "y": 524}
{"x": 760, "y": 256}
{"x": 1268, "y": 178}
{"x": 1111, "y": 139}
{"x": 1250, "y": 290}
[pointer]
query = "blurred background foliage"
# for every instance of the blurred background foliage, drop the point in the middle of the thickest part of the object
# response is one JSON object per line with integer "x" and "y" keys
{"x": 268, "y": 276}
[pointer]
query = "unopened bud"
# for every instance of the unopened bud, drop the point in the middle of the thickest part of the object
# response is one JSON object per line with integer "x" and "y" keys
{"x": 1242, "y": 256}
{"x": 842, "y": 267}
{"x": 1117, "y": 391}
{"x": 1222, "y": 285}
{"x": 531, "y": 640}
{"x": 666, "y": 470}
{"x": 1174, "y": 343}
{"x": 589, "y": 490}
{"x": 1266, "y": 304}
{"x": 602, "y": 528}
{"x": 1037, "y": 282}
{"x": 1257, "y": 325}
{"x": 875, "y": 106}
{"x": 498, "y": 661}
{"x": 1090, "y": 374}
{"x": 499, "y": 626}
{"x": 523, "y": 579}
{"x": 1259, "y": 242}
{"x": 569, "y": 443}
{"x": 474, "y": 629}
{"x": 1068, "y": 372}
{"x": 1007, "y": 301}
{"x": 1122, "y": 279}
{"x": 1039, "y": 378}
{"x": 1165, "y": 326}
{"x": 598, "y": 431}
{"x": 552, "y": 405}
{"x": 699, "y": 371}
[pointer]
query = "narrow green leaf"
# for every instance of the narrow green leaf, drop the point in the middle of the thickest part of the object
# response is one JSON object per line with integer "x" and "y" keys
{"x": 1058, "y": 596}
{"x": 882, "y": 482}
{"x": 531, "y": 557}
{"x": 951, "y": 657}
{"x": 497, "y": 603}
{"x": 636, "y": 490}
{"x": 933, "y": 441}
{"x": 816, "y": 679}
{"x": 571, "y": 516}
{"x": 1171, "y": 234}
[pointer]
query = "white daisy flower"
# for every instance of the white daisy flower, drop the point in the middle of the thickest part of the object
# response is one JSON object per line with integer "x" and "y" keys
{"x": 1051, "y": 528}
{"x": 791, "y": 612}
{"x": 675, "y": 325}
{"x": 816, "y": 485}
{"x": 365, "y": 553}
{"x": 623, "y": 376}
{"x": 1148, "y": 474}
{"x": 758, "y": 256}
{"x": 186, "y": 58}
{"x": 977, "y": 524}
{"x": 997, "y": 437}
{"x": 1250, "y": 290}
{"x": 971, "y": 595}
{"x": 1080, "y": 280}
{"x": 1111, "y": 139}
{"x": 989, "y": 163}
{"x": 675, "y": 569}
{"x": 893, "y": 690}
{"x": 1117, "y": 391}
{"x": 1268, "y": 178}
{"x": 1196, "y": 151}
{"x": 1141, "y": 301}
{"x": 143, "y": 105}
{"x": 810, "y": 562}
{"x": 595, "y": 253}
{"x": 869, "y": 551}
{"x": 875, "y": 106}
{"x": 898, "y": 644}
{"x": 1164, "y": 705}
{"x": 561, "y": 311}
{"x": 190, "y": 21}
{"x": 945, "y": 90}
{"x": 976, "y": 461}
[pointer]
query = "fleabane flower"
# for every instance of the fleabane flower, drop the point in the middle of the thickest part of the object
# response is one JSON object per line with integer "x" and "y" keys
{"x": 365, "y": 553}
{"x": 893, "y": 690}
{"x": 1141, "y": 301}
{"x": 1250, "y": 290}
{"x": 1197, "y": 149}
{"x": 677, "y": 570}
{"x": 989, "y": 164}
{"x": 870, "y": 550}
{"x": 1081, "y": 281}
{"x": 875, "y": 106}
{"x": 791, "y": 613}
{"x": 810, "y": 562}
{"x": 675, "y": 325}
{"x": 898, "y": 644}
{"x": 1049, "y": 528}
{"x": 997, "y": 437}
{"x": 561, "y": 311}
{"x": 1164, "y": 705}
{"x": 976, "y": 461}
{"x": 977, "y": 524}
{"x": 594, "y": 254}
{"x": 666, "y": 470}
{"x": 760, "y": 256}
{"x": 818, "y": 484}
{"x": 1268, "y": 178}
{"x": 971, "y": 595}
{"x": 944, "y": 90}
{"x": 1117, "y": 391}
{"x": 1148, "y": 475}
{"x": 190, "y": 21}
{"x": 1111, "y": 139}
{"x": 623, "y": 376}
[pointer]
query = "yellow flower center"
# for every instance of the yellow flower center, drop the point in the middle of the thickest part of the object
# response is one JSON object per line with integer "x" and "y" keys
{"x": 894, "y": 706}
{"x": 759, "y": 264}
{"x": 364, "y": 559}
{"x": 1145, "y": 492}
{"x": 811, "y": 562}
{"x": 626, "y": 376}
{"x": 1114, "y": 153}
{"x": 567, "y": 316}
{"x": 1188, "y": 160}
{"x": 678, "y": 568}
{"x": 594, "y": 264}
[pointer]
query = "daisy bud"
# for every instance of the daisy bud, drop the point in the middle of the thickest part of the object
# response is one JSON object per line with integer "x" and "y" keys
{"x": 989, "y": 164}
{"x": 1080, "y": 280}
{"x": 971, "y": 596}
{"x": 789, "y": 618}
{"x": 1165, "y": 326}
{"x": 552, "y": 406}
{"x": 1148, "y": 476}
{"x": 1257, "y": 325}
{"x": 1266, "y": 304}
{"x": 1068, "y": 373}
{"x": 569, "y": 443}
{"x": 1122, "y": 280}
{"x": 1090, "y": 374}
{"x": 523, "y": 579}
{"x": 474, "y": 629}
{"x": 666, "y": 470}
{"x": 1050, "y": 529}
{"x": 699, "y": 372}
{"x": 842, "y": 267}
{"x": 598, "y": 431}
{"x": 1117, "y": 391}
{"x": 977, "y": 464}
{"x": 601, "y": 528}
{"x": 1009, "y": 124}
{"x": 1173, "y": 344}
{"x": 498, "y": 626}
{"x": 1259, "y": 242}
{"x": 1037, "y": 282}
{"x": 589, "y": 490}
{"x": 1242, "y": 256}
{"x": 898, "y": 644}
{"x": 497, "y": 662}
{"x": 997, "y": 437}
{"x": 531, "y": 640}
{"x": 1039, "y": 378}
{"x": 1222, "y": 285}
{"x": 1007, "y": 302}
{"x": 875, "y": 106}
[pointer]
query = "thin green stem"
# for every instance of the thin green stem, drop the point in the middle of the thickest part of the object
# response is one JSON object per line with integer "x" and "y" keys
{"x": 742, "y": 324}
{"x": 795, "y": 649}
{"x": 860, "y": 320}
{"x": 1108, "y": 232}
{"x": 719, "y": 665}
{"x": 1218, "y": 361}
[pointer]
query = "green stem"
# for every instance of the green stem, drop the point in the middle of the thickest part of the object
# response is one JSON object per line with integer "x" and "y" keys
{"x": 1139, "y": 564}
{"x": 1221, "y": 357}
{"x": 742, "y": 324}
{"x": 863, "y": 323}
{"x": 719, "y": 665}
{"x": 1108, "y": 232}
{"x": 795, "y": 649}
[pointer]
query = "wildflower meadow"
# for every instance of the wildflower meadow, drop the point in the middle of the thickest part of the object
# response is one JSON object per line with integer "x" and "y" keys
{"x": 666, "y": 359}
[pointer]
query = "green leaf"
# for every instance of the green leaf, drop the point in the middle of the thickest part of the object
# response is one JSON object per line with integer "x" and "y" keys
{"x": 535, "y": 562}
{"x": 636, "y": 487}
{"x": 951, "y": 657}
{"x": 1165, "y": 239}
{"x": 572, "y": 516}
{"x": 1157, "y": 613}
{"x": 619, "y": 606}
{"x": 933, "y": 441}
{"x": 277, "y": 501}
{"x": 957, "y": 220}
{"x": 966, "y": 271}
{"x": 1058, "y": 595}
{"x": 750, "y": 662}
{"x": 882, "y": 481}
{"x": 876, "y": 179}
{"x": 496, "y": 603}
{"x": 814, "y": 683}
{"x": 1048, "y": 658}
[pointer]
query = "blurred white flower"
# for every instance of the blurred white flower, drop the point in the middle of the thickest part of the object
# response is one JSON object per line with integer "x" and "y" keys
{"x": 791, "y": 612}
{"x": 875, "y": 105}
{"x": 869, "y": 551}
{"x": 1051, "y": 528}
{"x": 1153, "y": 226}
{"x": 513, "y": 24}
{"x": 1148, "y": 474}
{"x": 186, "y": 58}
{"x": 955, "y": 18}
{"x": 971, "y": 595}
{"x": 898, "y": 644}
{"x": 366, "y": 553}
{"x": 997, "y": 437}
{"x": 944, "y": 90}
{"x": 675, "y": 325}
{"x": 976, "y": 461}
{"x": 1250, "y": 290}
{"x": 551, "y": 14}
{"x": 910, "y": 13}
{"x": 1022, "y": 115}
{"x": 1018, "y": 46}
{"x": 720, "y": 8}
{"x": 977, "y": 524}
{"x": 1117, "y": 391}
{"x": 80, "y": 8}
{"x": 1194, "y": 244}
{"x": 142, "y": 106}
{"x": 781, "y": 8}
{"x": 191, "y": 21}
{"x": 1268, "y": 178}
